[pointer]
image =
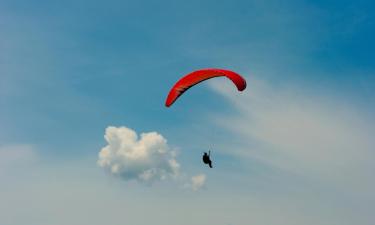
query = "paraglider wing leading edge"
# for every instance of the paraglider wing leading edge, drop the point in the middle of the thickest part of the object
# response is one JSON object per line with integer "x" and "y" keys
{"x": 198, "y": 76}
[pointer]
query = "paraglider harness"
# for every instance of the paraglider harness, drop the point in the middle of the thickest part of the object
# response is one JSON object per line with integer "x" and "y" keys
{"x": 206, "y": 158}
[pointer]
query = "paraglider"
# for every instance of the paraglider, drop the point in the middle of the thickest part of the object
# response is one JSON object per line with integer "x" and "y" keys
{"x": 206, "y": 159}
{"x": 198, "y": 76}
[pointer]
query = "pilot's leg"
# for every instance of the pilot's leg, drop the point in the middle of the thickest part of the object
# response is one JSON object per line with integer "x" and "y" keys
{"x": 210, "y": 163}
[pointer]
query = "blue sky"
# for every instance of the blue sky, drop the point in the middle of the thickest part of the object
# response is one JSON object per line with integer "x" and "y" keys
{"x": 70, "y": 69}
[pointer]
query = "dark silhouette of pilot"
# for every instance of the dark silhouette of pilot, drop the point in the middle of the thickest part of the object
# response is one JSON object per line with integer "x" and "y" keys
{"x": 206, "y": 159}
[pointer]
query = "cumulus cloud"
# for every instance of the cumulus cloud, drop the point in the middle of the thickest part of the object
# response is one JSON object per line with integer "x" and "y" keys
{"x": 146, "y": 157}
{"x": 198, "y": 181}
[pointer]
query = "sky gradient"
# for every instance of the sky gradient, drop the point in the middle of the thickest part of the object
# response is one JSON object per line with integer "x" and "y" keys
{"x": 296, "y": 147}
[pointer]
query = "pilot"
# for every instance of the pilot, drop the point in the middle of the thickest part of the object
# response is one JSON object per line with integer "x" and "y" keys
{"x": 206, "y": 159}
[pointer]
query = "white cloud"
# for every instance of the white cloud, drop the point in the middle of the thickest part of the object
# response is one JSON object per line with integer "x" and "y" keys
{"x": 146, "y": 158}
{"x": 198, "y": 181}
{"x": 15, "y": 156}
{"x": 310, "y": 135}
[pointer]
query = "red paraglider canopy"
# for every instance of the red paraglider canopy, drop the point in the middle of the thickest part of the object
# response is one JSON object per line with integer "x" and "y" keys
{"x": 198, "y": 76}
